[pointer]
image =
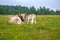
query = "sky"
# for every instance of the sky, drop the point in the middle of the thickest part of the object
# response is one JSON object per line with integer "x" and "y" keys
{"x": 52, "y": 4}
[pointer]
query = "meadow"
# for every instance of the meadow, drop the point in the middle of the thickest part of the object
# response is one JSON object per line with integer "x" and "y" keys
{"x": 46, "y": 28}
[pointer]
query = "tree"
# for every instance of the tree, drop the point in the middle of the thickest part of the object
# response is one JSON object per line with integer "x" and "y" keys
{"x": 13, "y": 10}
{"x": 57, "y": 12}
{"x": 32, "y": 10}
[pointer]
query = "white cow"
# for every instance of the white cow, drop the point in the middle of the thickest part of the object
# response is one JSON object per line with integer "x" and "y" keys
{"x": 15, "y": 20}
{"x": 31, "y": 19}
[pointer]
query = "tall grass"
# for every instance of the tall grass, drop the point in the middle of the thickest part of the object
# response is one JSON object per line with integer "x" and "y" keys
{"x": 47, "y": 28}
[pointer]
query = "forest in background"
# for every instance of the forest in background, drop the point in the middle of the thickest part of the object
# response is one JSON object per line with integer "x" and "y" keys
{"x": 13, "y": 10}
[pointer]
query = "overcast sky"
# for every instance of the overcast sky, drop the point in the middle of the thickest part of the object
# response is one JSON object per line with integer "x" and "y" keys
{"x": 52, "y": 4}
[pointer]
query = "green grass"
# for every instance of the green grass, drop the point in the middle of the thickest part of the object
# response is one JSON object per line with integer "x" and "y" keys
{"x": 47, "y": 28}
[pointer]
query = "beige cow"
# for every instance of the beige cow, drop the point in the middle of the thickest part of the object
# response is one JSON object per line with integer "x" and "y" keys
{"x": 15, "y": 20}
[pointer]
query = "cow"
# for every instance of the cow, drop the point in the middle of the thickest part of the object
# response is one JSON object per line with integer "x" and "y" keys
{"x": 31, "y": 19}
{"x": 16, "y": 20}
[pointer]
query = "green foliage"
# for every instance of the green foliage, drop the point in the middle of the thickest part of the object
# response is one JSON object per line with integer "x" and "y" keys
{"x": 47, "y": 28}
{"x": 58, "y": 12}
{"x": 12, "y": 10}
{"x": 32, "y": 10}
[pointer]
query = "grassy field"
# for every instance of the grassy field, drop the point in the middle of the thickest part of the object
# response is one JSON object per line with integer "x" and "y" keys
{"x": 47, "y": 28}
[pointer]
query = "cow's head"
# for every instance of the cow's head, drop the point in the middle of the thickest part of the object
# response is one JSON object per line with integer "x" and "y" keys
{"x": 22, "y": 16}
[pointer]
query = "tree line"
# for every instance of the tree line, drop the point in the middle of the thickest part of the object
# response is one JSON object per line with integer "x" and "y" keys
{"x": 12, "y": 10}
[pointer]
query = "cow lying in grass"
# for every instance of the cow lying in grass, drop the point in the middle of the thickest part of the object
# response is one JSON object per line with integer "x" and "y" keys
{"x": 15, "y": 20}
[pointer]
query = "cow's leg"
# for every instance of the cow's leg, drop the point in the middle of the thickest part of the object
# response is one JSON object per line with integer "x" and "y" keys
{"x": 35, "y": 21}
{"x": 28, "y": 21}
{"x": 31, "y": 21}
